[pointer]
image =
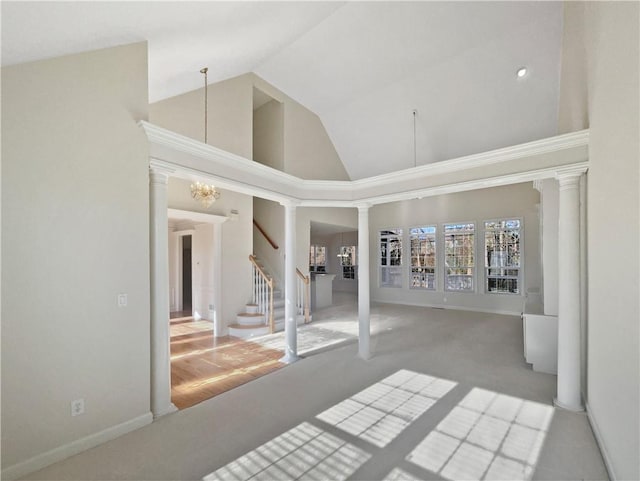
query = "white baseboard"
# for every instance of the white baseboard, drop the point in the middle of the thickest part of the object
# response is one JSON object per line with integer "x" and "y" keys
{"x": 63, "y": 452}
{"x": 601, "y": 445}
{"x": 451, "y": 307}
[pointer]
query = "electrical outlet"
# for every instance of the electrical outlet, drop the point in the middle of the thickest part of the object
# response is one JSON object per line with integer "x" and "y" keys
{"x": 122, "y": 300}
{"x": 77, "y": 407}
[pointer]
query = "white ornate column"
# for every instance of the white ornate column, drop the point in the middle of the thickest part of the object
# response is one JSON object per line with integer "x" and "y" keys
{"x": 364, "y": 331}
{"x": 219, "y": 329}
{"x": 290, "y": 288}
{"x": 569, "y": 378}
{"x": 159, "y": 263}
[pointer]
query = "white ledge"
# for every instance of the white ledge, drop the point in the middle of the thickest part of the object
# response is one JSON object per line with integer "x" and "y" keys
{"x": 537, "y": 160}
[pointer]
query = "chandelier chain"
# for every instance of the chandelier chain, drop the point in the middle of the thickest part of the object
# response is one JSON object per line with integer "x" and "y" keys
{"x": 206, "y": 103}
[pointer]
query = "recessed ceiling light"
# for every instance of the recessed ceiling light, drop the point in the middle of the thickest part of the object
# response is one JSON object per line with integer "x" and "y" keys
{"x": 522, "y": 71}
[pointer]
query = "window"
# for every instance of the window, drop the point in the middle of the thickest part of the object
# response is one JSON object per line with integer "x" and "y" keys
{"x": 423, "y": 257}
{"x": 459, "y": 257}
{"x": 348, "y": 261}
{"x": 317, "y": 259}
{"x": 502, "y": 256}
{"x": 391, "y": 258}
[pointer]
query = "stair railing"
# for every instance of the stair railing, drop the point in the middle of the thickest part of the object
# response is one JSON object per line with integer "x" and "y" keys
{"x": 262, "y": 291}
{"x": 303, "y": 295}
{"x": 265, "y": 235}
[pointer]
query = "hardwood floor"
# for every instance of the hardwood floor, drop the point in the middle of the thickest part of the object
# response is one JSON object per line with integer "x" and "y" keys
{"x": 203, "y": 366}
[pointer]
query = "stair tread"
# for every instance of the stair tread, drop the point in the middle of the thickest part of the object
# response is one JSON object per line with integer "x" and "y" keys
{"x": 250, "y": 314}
{"x": 248, "y": 326}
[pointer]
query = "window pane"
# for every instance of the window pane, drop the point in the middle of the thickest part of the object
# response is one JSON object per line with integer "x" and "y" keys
{"x": 459, "y": 257}
{"x": 502, "y": 256}
{"x": 423, "y": 257}
{"x": 390, "y": 277}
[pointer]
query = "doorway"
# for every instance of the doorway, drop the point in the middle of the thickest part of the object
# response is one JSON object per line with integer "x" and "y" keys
{"x": 187, "y": 275}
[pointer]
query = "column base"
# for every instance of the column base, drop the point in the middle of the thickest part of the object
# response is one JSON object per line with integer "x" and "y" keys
{"x": 168, "y": 410}
{"x": 289, "y": 358}
{"x": 365, "y": 355}
{"x": 575, "y": 409}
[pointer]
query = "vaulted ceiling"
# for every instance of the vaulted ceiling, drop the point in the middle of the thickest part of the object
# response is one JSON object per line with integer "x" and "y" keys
{"x": 363, "y": 67}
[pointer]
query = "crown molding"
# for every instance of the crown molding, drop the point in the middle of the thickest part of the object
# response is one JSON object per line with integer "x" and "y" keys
{"x": 484, "y": 159}
{"x": 565, "y": 154}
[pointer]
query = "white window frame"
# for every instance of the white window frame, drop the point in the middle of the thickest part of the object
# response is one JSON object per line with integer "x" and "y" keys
{"x": 447, "y": 268}
{"x": 419, "y": 274}
{"x": 353, "y": 259}
{"x": 313, "y": 258}
{"x": 501, "y": 274}
{"x": 386, "y": 270}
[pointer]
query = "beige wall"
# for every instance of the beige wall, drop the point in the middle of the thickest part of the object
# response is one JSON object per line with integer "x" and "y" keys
{"x": 270, "y": 216}
{"x": 573, "y": 112}
{"x": 513, "y": 201}
{"x": 308, "y": 150}
{"x": 230, "y": 115}
{"x": 609, "y": 73}
{"x": 268, "y": 135}
{"x": 70, "y": 246}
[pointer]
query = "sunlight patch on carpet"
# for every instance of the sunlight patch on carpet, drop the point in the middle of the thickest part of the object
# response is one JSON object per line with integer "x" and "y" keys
{"x": 379, "y": 413}
{"x": 486, "y": 436}
{"x": 304, "y": 452}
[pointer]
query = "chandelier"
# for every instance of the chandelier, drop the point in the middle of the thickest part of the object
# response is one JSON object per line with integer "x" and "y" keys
{"x": 204, "y": 193}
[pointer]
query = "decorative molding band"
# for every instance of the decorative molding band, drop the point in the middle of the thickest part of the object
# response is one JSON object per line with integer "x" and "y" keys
{"x": 466, "y": 186}
{"x": 63, "y": 452}
{"x": 537, "y": 147}
{"x": 223, "y": 182}
{"x": 196, "y": 217}
{"x": 160, "y": 168}
{"x": 603, "y": 448}
{"x": 199, "y": 149}
{"x": 193, "y": 159}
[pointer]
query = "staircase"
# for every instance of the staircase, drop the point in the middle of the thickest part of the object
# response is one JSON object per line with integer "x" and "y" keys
{"x": 267, "y": 299}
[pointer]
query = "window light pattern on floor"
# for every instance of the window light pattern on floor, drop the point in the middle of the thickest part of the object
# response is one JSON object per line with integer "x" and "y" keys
{"x": 382, "y": 411}
{"x": 486, "y": 436}
{"x": 400, "y": 475}
{"x": 304, "y": 452}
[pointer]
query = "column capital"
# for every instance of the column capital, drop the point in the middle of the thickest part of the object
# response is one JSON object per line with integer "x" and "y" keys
{"x": 538, "y": 185}
{"x": 158, "y": 167}
{"x": 290, "y": 203}
{"x": 570, "y": 175}
{"x": 363, "y": 207}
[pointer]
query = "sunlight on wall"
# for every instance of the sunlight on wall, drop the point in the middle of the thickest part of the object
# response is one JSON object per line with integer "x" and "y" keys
{"x": 382, "y": 411}
{"x": 305, "y": 451}
{"x": 486, "y": 436}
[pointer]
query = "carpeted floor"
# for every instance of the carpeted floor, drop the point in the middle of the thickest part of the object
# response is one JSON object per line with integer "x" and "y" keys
{"x": 447, "y": 395}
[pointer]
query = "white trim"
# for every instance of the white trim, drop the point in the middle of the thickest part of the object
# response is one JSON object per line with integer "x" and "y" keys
{"x": 74, "y": 447}
{"x": 450, "y": 307}
{"x": 483, "y": 159}
{"x": 199, "y": 217}
{"x": 541, "y": 159}
{"x": 600, "y": 441}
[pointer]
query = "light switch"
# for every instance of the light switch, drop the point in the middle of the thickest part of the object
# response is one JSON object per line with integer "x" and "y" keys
{"x": 122, "y": 300}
